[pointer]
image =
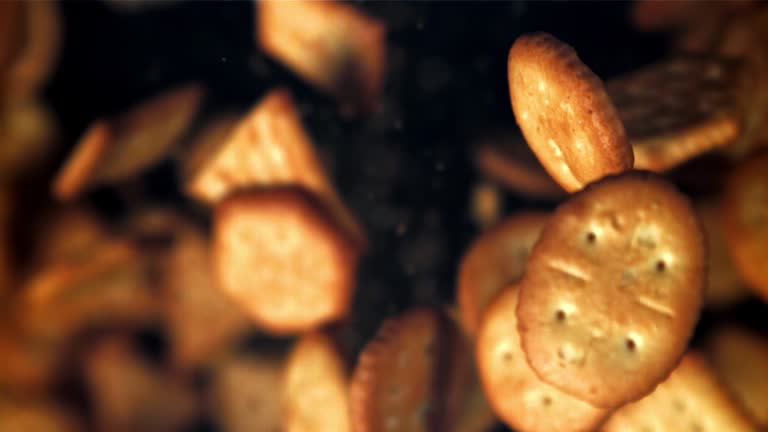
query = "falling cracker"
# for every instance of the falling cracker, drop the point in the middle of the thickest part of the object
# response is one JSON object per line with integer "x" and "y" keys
{"x": 244, "y": 394}
{"x": 691, "y": 399}
{"x": 315, "y": 386}
{"x": 509, "y": 160}
{"x": 563, "y": 110}
{"x": 267, "y": 147}
{"x": 282, "y": 259}
{"x": 493, "y": 261}
{"x": 116, "y": 149}
{"x": 202, "y": 320}
{"x": 330, "y": 44}
{"x": 680, "y": 108}
{"x": 36, "y": 416}
{"x": 745, "y": 221}
{"x": 739, "y": 356}
{"x": 129, "y": 394}
{"x": 613, "y": 289}
{"x": 514, "y": 391}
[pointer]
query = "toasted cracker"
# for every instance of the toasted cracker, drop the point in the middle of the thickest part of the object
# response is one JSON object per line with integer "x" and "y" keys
{"x": 202, "y": 320}
{"x": 129, "y": 394}
{"x": 565, "y": 113}
{"x": 739, "y": 356}
{"x": 279, "y": 255}
{"x": 115, "y": 149}
{"x": 509, "y": 160}
{"x": 245, "y": 394}
{"x": 516, "y": 394}
{"x": 267, "y": 147}
{"x": 691, "y": 399}
{"x": 315, "y": 386}
{"x": 37, "y": 416}
{"x": 724, "y": 285}
{"x": 330, "y": 44}
{"x": 679, "y": 108}
{"x": 613, "y": 289}
{"x": 745, "y": 221}
{"x": 493, "y": 261}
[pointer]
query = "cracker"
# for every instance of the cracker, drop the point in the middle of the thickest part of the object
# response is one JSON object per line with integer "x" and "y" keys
{"x": 399, "y": 380}
{"x": 330, "y": 44}
{"x": 202, "y": 320}
{"x": 315, "y": 386}
{"x": 279, "y": 255}
{"x": 116, "y": 149}
{"x": 493, "y": 261}
{"x": 724, "y": 285}
{"x": 244, "y": 394}
{"x": 679, "y": 108}
{"x": 514, "y": 391}
{"x": 739, "y": 356}
{"x": 129, "y": 394}
{"x": 613, "y": 289}
{"x": 691, "y": 399}
{"x": 564, "y": 112}
{"x": 37, "y": 416}
{"x": 508, "y": 159}
{"x": 745, "y": 221}
{"x": 267, "y": 147}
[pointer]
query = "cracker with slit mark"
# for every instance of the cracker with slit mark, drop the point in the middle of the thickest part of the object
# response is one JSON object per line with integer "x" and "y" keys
{"x": 493, "y": 261}
{"x": 315, "y": 385}
{"x": 613, "y": 289}
{"x": 280, "y": 256}
{"x": 679, "y": 108}
{"x": 518, "y": 396}
{"x": 564, "y": 112}
{"x": 691, "y": 399}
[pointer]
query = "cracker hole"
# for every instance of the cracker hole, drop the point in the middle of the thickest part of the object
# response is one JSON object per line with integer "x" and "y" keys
{"x": 546, "y": 401}
{"x": 661, "y": 266}
{"x": 560, "y": 315}
{"x": 630, "y": 344}
{"x": 678, "y": 405}
{"x": 591, "y": 237}
{"x": 695, "y": 427}
{"x": 506, "y": 356}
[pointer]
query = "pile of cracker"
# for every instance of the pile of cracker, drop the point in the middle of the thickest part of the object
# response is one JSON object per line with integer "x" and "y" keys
{"x": 241, "y": 306}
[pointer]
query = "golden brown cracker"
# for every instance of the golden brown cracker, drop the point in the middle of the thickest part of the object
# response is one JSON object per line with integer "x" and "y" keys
{"x": 315, "y": 384}
{"x": 739, "y": 356}
{"x": 613, "y": 289}
{"x": 691, "y": 399}
{"x": 267, "y": 147}
{"x": 679, "y": 108}
{"x": 282, "y": 259}
{"x": 564, "y": 112}
{"x": 509, "y": 160}
{"x": 745, "y": 221}
{"x": 245, "y": 394}
{"x": 514, "y": 391}
{"x": 330, "y": 44}
{"x": 202, "y": 320}
{"x": 493, "y": 261}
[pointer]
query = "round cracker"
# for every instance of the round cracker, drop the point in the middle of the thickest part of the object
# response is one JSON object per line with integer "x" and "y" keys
{"x": 315, "y": 387}
{"x": 565, "y": 113}
{"x": 745, "y": 221}
{"x": 279, "y": 255}
{"x": 496, "y": 259}
{"x": 516, "y": 394}
{"x": 613, "y": 289}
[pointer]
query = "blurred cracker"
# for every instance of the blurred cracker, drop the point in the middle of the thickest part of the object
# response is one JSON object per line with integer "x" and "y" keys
{"x": 494, "y": 260}
{"x": 116, "y": 149}
{"x": 36, "y": 416}
{"x": 202, "y": 320}
{"x": 691, "y": 399}
{"x": 740, "y": 357}
{"x": 282, "y": 259}
{"x": 129, "y": 394}
{"x": 267, "y": 147}
{"x": 508, "y": 159}
{"x": 330, "y": 44}
{"x": 245, "y": 392}
{"x": 745, "y": 221}
{"x": 679, "y": 108}
{"x": 315, "y": 386}
{"x": 515, "y": 392}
